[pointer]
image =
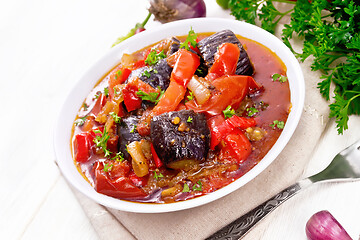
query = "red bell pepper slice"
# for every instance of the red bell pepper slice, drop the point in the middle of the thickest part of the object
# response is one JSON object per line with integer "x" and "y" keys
{"x": 131, "y": 100}
{"x": 173, "y": 95}
{"x": 237, "y": 147}
{"x": 100, "y": 102}
{"x": 138, "y": 181}
{"x": 226, "y": 59}
{"x": 118, "y": 187}
{"x": 117, "y": 76}
{"x": 82, "y": 147}
{"x": 185, "y": 66}
{"x": 157, "y": 160}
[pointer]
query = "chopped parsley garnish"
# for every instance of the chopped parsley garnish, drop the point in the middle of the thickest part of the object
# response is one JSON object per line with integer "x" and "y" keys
{"x": 191, "y": 38}
{"x": 251, "y": 111}
{"x": 197, "y": 186}
{"x": 85, "y": 106}
{"x": 133, "y": 129}
{"x": 278, "y": 124}
{"x": 228, "y": 112}
{"x": 153, "y": 57}
{"x": 108, "y": 167}
{"x": 118, "y": 74}
{"x": 152, "y": 97}
{"x": 190, "y": 96}
{"x": 157, "y": 176}
{"x": 146, "y": 74}
{"x": 186, "y": 188}
{"x": 106, "y": 91}
{"x": 115, "y": 91}
{"x": 189, "y": 120}
{"x": 278, "y": 77}
{"x": 80, "y": 121}
{"x": 116, "y": 118}
{"x": 118, "y": 157}
{"x": 97, "y": 95}
{"x": 101, "y": 141}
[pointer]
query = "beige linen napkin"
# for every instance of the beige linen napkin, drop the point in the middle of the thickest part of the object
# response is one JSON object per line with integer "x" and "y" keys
{"x": 200, "y": 222}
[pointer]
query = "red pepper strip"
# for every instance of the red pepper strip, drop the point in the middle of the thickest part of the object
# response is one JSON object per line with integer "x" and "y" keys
{"x": 81, "y": 147}
{"x": 119, "y": 187}
{"x": 226, "y": 59}
{"x": 143, "y": 86}
{"x": 219, "y": 127}
{"x": 185, "y": 66}
{"x": 157, "y": 160}
{"x": 173, "y": 95}
{"x": 131, "y": 100}
{"x": 117, "y": 76}
{"x": 237, "y": 147}
{"x": 138, "y": 181}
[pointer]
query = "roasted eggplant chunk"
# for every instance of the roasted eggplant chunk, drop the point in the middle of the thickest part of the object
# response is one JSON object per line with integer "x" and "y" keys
{"x": 156, "y": 76}
{"x": 208, "y": 47}
{"x": 174, "y": 45}
{"x": 127, "y": 133}
{"x": 182, "y": 135}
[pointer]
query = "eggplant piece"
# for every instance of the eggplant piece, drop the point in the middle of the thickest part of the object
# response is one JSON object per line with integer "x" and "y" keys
{"x": 174, "y": 45}
{"x": 127, "y": 133}
{"x": 156, "y": 76}
{"x": 209, "y": 45}
{"x": 181, "y": 135}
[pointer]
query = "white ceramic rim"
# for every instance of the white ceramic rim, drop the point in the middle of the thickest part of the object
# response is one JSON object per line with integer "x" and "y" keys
{"x": 62, "y": 132}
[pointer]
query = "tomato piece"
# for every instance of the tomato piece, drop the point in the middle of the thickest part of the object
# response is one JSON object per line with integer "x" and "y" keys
{"x": 219, "y": 127}
{"x": 118, "y": 187}
{"x": 185, "y": 66}
{"x": 171, "y": 98}
{"x": 230, "y": 90}
{"x": 237, "y": 147}
{"x": 156, "y": 158}
{"x": 131, "y": 100}
{"x": 226, "y": 59}
{"x": 81, "y": 147}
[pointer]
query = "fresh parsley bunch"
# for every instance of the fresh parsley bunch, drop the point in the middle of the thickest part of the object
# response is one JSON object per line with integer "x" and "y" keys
{"x": 330, "y": 30}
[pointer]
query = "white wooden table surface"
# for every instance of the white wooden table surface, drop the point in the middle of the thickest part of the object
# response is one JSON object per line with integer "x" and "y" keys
{"x": 45, "y": 46}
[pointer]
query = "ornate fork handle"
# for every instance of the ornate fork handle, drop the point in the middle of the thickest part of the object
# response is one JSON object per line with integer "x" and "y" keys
{"x": 243, "y": 224}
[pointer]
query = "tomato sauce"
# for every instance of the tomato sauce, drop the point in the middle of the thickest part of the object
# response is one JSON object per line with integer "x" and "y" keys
{"x": 96, "y": 142}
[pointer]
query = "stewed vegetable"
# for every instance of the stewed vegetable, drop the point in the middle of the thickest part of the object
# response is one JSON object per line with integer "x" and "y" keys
{"x": 181, "y": 118}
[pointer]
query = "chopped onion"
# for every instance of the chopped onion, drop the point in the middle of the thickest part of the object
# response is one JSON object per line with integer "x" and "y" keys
{"x": 139, "y": 162}
{"x": 199, "y": 89}
{"x": 170, "y": 10}
{"x": 323, "y": 226}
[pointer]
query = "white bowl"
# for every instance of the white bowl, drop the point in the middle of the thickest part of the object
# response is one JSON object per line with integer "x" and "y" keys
{"x": 74, "y": 101}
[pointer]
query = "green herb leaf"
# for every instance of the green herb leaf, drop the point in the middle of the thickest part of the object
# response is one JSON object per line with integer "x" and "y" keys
{"x": 101, "y": 141}
{"x": 278, "y": 77}
{"x": 189, "y": 120}
{"x": 108, "y": 167}
{"x": 228, "y": 112}
{"x": 85, "y": 106}
{"x": 80, "y": 121}
{"x": 198, "y": 186}
{"x": 157, "y": 176}
{"x": 146, "y": 74}
{"x": 133, "y": 129}
{"x": 118, "y": 157}
{"x": 186, "y": 188}
{"x": 106, "y": 91}
{"x": 115, "y": 91}
{"x": 190, "y": 96}
{"x": 190, "y": 39}
{"x": 152, "y": 97}
{"x": 153, "y": 57}
{"x": 278, "y": 124}
{"x": 116, "y": 118}
{"x": 251, "y": 111}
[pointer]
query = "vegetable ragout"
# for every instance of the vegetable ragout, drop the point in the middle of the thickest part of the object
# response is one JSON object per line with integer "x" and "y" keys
{"x": 181, "y": 118}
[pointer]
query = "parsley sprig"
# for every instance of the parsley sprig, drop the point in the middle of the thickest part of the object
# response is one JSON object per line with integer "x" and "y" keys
{"x": 331, "y": 33}
{"x": 152, "y": 97}
{"x": 228, "y": 112}
{"x": 101, "y": 141}
{"x": 190, "y": 39}
{"x": 153, "y": 57}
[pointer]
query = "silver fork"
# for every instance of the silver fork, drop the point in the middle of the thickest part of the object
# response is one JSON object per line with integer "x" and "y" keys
{"x": 345, "y": 165}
